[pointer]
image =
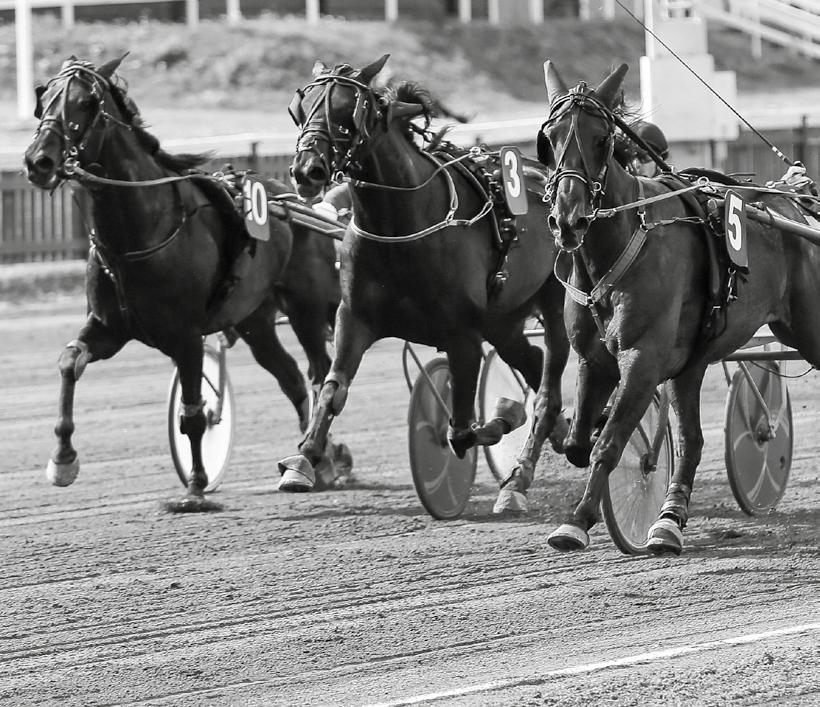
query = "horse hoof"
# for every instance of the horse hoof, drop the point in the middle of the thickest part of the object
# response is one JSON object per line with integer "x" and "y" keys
{"x": 577, "y": 455}
{"x": 297, "y": 474}
{"x": 510, "y": 411}
{"x": 665, "y": 537}
{"x": 509, "y": 501}
{"x": 63, "y": 474}
{"x": 569, "y": 538}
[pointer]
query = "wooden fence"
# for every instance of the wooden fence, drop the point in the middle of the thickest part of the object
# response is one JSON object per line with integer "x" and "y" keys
{"x": 37, "y": 226}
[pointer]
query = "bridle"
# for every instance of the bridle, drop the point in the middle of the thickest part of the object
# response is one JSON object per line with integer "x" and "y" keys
{"x": 345, "y": 145}
{"x": 76, "y": 143}
{"x": 343, "y": 142}
{"x": 581, "y": 99}
{"x": 74, "y": 138}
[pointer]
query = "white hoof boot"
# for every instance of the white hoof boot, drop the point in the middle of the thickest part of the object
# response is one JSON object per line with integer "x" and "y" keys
{"x": 63, "y": 474}
{"x": 665, "y": 536}
{"x": 297, "y": 474}
{"x": 568, "y": 538}
{"x": 511, "y": 502}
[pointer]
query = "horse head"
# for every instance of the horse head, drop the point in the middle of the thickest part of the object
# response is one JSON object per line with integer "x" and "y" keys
{"x": 339, "y": 114}
{"x": 75, "y": 110}
{"x": 576, "y": 142}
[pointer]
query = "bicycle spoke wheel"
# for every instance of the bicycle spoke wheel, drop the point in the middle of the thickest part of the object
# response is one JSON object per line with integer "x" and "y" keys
{"x": 442, "y": 480}
{"x": 757, "y": 461}
{"x": 217, "y": 442}
{"x": 499, "y": 380}
{"x": 635, "y": 493}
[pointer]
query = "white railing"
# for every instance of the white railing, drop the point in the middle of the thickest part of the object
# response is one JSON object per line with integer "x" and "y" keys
{"x": 233, "y": 10}
{"x": 789, "y": 23}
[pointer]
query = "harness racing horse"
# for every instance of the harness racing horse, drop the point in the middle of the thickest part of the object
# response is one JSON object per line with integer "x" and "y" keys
{"x": 640, "y": 310}
{"x": 170, "y": 259}
{"x": 416, "y": 261}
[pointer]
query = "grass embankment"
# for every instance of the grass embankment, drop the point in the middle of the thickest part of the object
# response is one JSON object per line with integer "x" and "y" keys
{"x": 475, "y": 68}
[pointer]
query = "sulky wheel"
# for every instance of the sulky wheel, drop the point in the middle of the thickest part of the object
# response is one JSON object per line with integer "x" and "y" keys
{"x": 758, "y": 457}
{"x": 442, "y": 480}
{"x": 498, "y": 380}
{"x": 217, "y": 442}
{"x": 636, "y": 489}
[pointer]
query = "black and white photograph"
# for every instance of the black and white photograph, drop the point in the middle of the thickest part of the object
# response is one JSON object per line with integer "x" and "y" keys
{"x": 377, "y": 353}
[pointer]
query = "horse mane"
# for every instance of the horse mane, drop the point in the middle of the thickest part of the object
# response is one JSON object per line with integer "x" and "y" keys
{"x": 131, "y": 115}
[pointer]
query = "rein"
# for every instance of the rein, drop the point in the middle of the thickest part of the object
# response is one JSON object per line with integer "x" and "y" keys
{"x": 73, "y": 170}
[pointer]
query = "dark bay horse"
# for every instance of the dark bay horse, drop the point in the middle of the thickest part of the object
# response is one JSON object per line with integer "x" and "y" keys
{"x": 416, "y": 262}
{"x": 170, "y": 259}
{"x": 646, "y": 270}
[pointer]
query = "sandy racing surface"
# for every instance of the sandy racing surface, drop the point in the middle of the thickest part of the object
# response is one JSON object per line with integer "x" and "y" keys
{"x": 358, "y": 597}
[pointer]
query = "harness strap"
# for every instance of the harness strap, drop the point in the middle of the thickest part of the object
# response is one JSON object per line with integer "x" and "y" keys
{"x": 449, "y": 219}
{"x": 609, "y": 213}
{"x": 619, "y": 268}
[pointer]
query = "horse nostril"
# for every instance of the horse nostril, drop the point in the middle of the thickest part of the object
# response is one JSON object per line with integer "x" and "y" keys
{"x": 41, "y": 165}
{"x": 552, "y": 223}
{"x": 316, "y": 174}
{"x": 581, "y": 225}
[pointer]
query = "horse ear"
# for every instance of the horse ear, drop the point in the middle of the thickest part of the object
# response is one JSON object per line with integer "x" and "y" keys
{"x": 554, "y": 83}
{"x": 38, "y": 104}
{"x": 107, "y": 69}
{"x": 543, "y": 148}
{"x": 368, "y": 72}
{"x": 320, "y": 68}
{"x": 607, "y": 91}
{"x": 68, "y": 62}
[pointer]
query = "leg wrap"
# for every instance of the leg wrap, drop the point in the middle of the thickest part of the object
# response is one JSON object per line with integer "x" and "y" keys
{"x": 676, "y": 506}
{"x": 461, "y": 440}
{"x": 340, "y": 396}
{"x": 192, "y": 421}
{"x": 80, "y": 359}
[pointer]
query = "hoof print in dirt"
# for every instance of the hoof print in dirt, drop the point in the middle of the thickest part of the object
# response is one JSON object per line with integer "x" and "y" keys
{"x": 191, "y": 504}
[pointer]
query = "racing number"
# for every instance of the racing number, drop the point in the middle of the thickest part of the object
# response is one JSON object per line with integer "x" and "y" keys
{"x": 512, "y": 174}
{"x": 735, "y": 218}
{"x": 513, "y": 180}
{"x": 255, "y": 203}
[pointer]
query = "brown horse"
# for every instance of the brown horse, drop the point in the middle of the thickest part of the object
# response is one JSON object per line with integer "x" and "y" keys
{"x": 420, "y": 259}
{"x": 643, "y": 273}
{"x": 170, "y": 259}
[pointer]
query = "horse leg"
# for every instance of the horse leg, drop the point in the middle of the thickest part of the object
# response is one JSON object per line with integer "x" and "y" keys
{"x": 259, "y": 331}
{"x": 352, "y": 339}
{"x": 634, "y": 394}
{"x": 666, "y": 534}
{"x": 464, "y": 358}
{"x": 95, "y": 341}
{"x": 593, "y": 387}
{"x": 310, "y": 328}
{"x": 193, "y": 423}
{"x": 547, "y": 419}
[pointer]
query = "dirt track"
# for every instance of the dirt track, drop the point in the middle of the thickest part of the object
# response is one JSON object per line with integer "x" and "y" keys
{"x": 357, "y": 596}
